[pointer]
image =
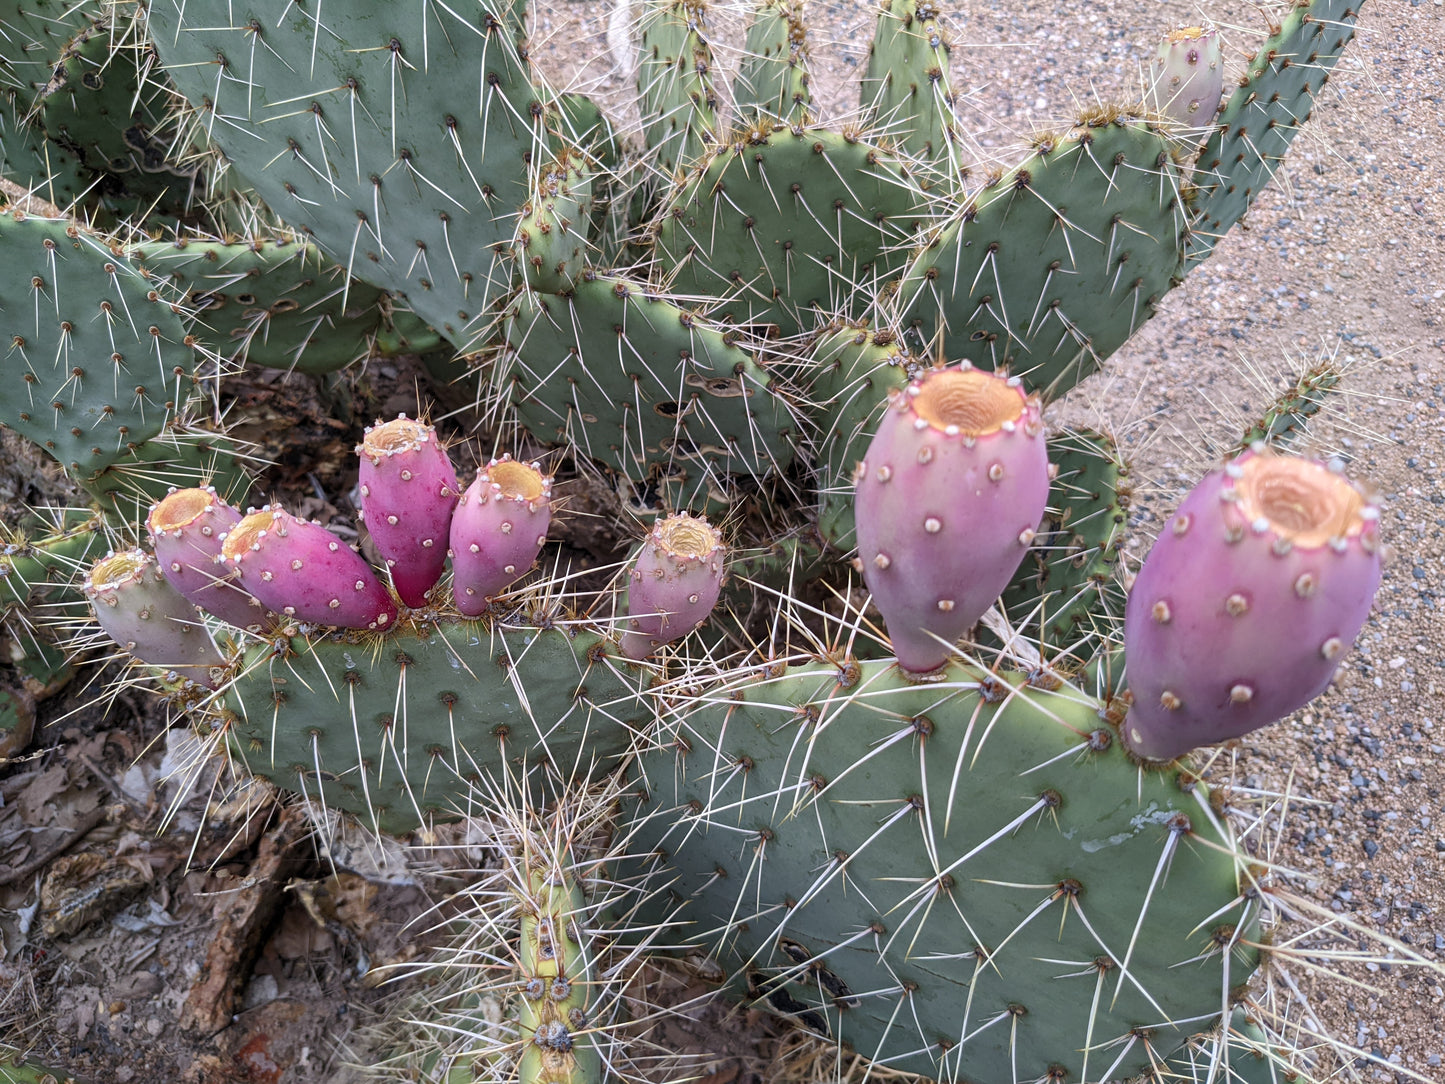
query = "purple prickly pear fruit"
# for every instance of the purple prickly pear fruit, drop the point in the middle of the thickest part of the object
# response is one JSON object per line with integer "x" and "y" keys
{"x": 674, "y": 583}
{"x": 1187, "y": 76}
{"x": 186, "y": 529}
{"x": 140, "y": 610}
{"x": 302, "y": 570}
{"x": 498, "y": 530}
{"x": 408, "y": 494}
{"x": 949, "y": 495}
{"x": 1246, "y": 602}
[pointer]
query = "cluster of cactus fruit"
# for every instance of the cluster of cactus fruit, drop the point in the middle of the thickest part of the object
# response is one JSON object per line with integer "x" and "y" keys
{"x": 837, "y": 345}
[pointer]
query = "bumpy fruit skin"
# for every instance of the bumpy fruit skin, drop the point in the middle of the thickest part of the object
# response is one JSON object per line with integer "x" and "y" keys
{"x": 673, "y": 584}
{"x": 1188, "y": 76}
{"x": 186, "y": 528}
{"x": 949, "y": 495}
{"x": 302, "y": 570}
{"x": 408, "y": 494}
{"x": 498, "y": 530}
{"x": 1247, "y": 602}
{"x": 140, "y": 610}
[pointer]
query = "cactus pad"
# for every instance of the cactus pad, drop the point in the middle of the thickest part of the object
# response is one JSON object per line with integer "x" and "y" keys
{"x": 1264, "y": 113}
{"x": 397, "y": 729}
{"x": 96, "y": 362}
{"x": 783, "y": 224}
{"x": 1051, "y": 266}
{"x": 349, "y": 124}
{"x": 635, "y": 381}
{"x": 968, "y": 879}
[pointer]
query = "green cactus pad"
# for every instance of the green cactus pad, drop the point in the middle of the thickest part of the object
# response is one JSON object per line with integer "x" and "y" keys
{"x": 952, "y": 878}
{"x": 398, "y": 138}
{"x": 554, "y": 226}
{"x": 907, "y": 87}
{"x": 279, "y": 304}
{"x": 1239, "y": 1054}
{"x": 36, "y": 33}
{"x": 104, "y": 105}
{"x": 773, "y": 76}
{"x": 783, "y": 224}
{"x": 1287, "y": 418}
{"x": 1264, "y": 113}
{"x": 851, "y": 370}
{"x": 97, "y": 363}
{"x": 675, "y": 83}
{"x": 46, "y": 564}
{"x": 1050, "y": 267}
{"x": 633, "y": 380}
{"x": 1066, "y": 595}
{"x": 398, "y": 729}
{"x": 193, "y": 454}
{"x": 31, "y": 161}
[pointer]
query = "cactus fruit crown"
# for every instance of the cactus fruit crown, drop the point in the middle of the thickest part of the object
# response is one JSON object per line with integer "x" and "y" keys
{"x": 687, "y": 538}
{"x": 110, "y": 572}
{"x": 390, "y": 438}
{"x": 247, "y": 534}
{"x": 964, "y": 401}
{"x": 515, "y": 481}
{"x": 179, "y": 509}
{"x": 1301, "y": 501}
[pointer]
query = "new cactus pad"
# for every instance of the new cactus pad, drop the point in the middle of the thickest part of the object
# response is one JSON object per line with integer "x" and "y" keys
{"x": 1247, "y": 602}
{"x": 950, "y": 494}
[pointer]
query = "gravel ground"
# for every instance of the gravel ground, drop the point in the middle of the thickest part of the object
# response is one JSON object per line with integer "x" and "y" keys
{"x": 1342, "y": 254}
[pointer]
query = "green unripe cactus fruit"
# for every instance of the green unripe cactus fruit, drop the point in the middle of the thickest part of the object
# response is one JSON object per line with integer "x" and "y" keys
{"x": 140, "y": 610}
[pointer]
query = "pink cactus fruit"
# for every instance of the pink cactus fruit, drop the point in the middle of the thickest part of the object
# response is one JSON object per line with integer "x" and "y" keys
{"x": 1187, "y": 76}
{"x": 139, "y": 609}
{"x": 186, "y": 528}
{"x": 302, "y": 570}
{"x": 1247, "y": 602}
{"x": 498, "y": 530}
{"x": 949, "y": 496}
{"x": 408, "y": 494}
{"x": 673, "y": 584}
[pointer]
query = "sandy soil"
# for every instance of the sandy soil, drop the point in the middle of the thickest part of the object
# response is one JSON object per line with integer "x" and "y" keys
{"x": 1341, "y": 255}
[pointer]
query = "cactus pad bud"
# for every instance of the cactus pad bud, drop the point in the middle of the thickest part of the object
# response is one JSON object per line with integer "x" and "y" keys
{"x": 140, "y": 610}
{"x": 1187, "y": 76}
{"x": 1246, "y": 602}
{"x": 186, "y": 528}
{"x": 498, "y": 530}
{"x": 673, "y": 584}
{"x": 408, "y": 494}
{"x": 949, "y": 495}
{"x": 302, "y": 570}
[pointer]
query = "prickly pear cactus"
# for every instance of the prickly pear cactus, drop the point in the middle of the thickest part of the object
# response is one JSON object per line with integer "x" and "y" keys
{"x": 951, "y": 868}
